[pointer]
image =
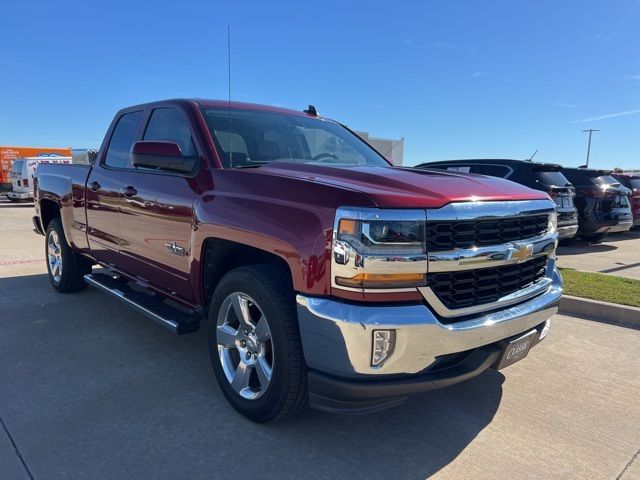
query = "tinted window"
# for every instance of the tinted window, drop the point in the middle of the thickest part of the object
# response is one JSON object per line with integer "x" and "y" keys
{"x": 635, "y": 183}
{"x": 577, "y": 178}
{"x": 456, "y": 168}
{"x": 552, "y": 179}
{"x": 122, "y": 140}
{"x": 169, "y": 125}
{"x": 492, "y": 170}
{"x": 246, "y": 137}
{"x": 606, "y": 179}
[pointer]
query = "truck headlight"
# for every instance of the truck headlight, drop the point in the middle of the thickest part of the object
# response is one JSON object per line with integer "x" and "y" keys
{"x": 379, "y": 249}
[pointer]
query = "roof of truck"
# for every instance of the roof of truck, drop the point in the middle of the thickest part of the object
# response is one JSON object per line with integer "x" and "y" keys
{"x": 202, "y": 102}
{"x": 246, "y": 106}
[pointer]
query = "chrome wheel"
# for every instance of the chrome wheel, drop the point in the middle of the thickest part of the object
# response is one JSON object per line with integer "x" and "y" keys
{"x": 244, "y": 346}
{"x": 54, "y": 256}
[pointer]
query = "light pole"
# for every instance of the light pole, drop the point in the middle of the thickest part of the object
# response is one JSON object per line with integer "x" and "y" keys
{"x": 590, "y": 130}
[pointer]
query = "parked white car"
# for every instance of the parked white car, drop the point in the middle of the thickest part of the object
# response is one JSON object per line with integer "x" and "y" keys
{"x": 22, "y": 175}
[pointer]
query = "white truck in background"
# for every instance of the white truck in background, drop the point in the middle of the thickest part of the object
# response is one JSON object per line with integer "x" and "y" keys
{"x": 22, "y": 175}
{"x": 24, "y": 168}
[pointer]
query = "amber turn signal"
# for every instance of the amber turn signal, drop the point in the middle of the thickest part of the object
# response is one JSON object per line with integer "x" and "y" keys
{"x": 384, "y": 280}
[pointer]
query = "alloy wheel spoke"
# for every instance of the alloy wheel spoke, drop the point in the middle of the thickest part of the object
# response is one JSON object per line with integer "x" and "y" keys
{"x": 264, "y": 372}
{"x": 241, "y": 309}
{"x": 262, "y": 329}
{"x": 241, "y": 377}
{"x": 226, "y": 336}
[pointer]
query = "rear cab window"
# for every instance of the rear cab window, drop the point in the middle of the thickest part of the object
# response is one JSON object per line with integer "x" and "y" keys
{"x": 122, "y": 139}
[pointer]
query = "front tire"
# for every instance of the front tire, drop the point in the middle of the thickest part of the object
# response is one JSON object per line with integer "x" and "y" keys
{"x": 66, "y": 268}
{"x": 254, "y": 343}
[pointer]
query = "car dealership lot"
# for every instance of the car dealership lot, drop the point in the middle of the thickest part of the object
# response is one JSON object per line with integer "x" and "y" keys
{"x": 616, "y": 255}
{"x": 91, "y": 389}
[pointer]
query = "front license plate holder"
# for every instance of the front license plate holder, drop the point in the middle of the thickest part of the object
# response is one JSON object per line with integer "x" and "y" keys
{"x": 515, "y": 349}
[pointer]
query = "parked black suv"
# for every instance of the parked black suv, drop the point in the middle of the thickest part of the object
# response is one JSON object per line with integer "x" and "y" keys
{"x": 603, "y": 203}
{"x": 541, "y": 176}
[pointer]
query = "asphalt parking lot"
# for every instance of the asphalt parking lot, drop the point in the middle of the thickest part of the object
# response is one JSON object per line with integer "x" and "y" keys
{"x": 616, "y": 255}
{"x": 91, "y": 389}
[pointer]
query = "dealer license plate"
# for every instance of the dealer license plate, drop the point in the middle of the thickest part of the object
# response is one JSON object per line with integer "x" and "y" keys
{"x": 516, "y": 349}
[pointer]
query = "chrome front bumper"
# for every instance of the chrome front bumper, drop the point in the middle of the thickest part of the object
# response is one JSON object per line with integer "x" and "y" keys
{"x": 337, "y": 336}
{"x": 568, "y": 231}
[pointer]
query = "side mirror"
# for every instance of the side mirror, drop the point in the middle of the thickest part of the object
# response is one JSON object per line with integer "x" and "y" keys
{"x": 161, "y": 156}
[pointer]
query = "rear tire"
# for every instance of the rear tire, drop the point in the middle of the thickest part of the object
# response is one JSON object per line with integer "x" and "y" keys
{"x": 275, "y": 386}
{"x": 66, "y": 268}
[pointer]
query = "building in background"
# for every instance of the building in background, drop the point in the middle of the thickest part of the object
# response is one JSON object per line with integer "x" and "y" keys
{"x": 9, "y": 154}
{"x": 392, "y": 150}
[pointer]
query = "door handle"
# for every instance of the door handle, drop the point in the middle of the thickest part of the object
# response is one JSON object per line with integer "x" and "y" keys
{"x": 129, "y": 191}
{"x": 94, "y": 186}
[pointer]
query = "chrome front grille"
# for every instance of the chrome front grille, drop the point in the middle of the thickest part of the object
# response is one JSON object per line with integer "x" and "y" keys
{"x": 485, "y": 256}
{"x": 446, "y": 235}
{"x": 467, "y": 288}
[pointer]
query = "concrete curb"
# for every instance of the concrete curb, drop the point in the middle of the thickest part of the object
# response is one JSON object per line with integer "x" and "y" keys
{"x": 600, "y": 311}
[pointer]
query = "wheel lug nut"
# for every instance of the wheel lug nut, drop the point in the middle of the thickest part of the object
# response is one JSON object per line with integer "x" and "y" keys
{"x": 243, "y": 343}
{"x": 246, "y": 332}
{"x": 248, "y": 355}
{"x": 255, "y": 356}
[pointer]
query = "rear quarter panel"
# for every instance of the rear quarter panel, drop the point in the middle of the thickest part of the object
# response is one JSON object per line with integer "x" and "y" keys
{"x": 65, "y": 185}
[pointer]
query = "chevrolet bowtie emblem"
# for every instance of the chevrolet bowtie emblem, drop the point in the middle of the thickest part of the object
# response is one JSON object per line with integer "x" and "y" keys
{"x": 523, "y": 253}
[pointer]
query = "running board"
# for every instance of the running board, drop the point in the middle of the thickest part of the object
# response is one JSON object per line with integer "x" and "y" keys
{"x": 150, "y": 304}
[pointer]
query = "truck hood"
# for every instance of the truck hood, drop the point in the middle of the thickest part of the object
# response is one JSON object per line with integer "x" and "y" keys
{"x": 404, "y": 187}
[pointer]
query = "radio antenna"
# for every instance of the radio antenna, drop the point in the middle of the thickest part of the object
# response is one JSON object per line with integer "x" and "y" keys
{"x": 229, "y": 62}
{"x": 534, "y": 154}
{"x": 229, "y": 93}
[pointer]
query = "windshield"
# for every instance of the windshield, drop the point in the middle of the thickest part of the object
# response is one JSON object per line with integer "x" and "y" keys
{"x": 245, "y": 138}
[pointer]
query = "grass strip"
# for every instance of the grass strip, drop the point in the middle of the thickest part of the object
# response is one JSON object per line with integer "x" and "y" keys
{"x": 598, "y": 286}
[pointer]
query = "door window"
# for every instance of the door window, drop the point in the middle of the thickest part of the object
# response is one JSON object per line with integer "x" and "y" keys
{"x": 122, "y": 140}
{"x": 169, "y": 125}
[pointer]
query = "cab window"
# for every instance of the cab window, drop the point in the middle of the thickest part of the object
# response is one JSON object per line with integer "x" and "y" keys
{"x": 169, "y": 125}
{"x": 122, "y": 139}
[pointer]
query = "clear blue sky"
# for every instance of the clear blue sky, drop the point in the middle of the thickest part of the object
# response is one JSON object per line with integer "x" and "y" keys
{"x": 456, "y": 79}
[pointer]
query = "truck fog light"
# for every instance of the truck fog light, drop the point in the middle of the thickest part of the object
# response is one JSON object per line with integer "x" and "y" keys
{"x": 384, "y": 342}
{"x": 545, "y": 329}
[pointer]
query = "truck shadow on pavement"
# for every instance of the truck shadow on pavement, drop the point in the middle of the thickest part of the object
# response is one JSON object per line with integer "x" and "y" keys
{"x": 580, "y": 247}
{"x": 94, "y": 388}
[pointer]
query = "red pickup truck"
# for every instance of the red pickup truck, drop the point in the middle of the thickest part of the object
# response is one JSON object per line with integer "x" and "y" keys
{"x": 324, "y": 275}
